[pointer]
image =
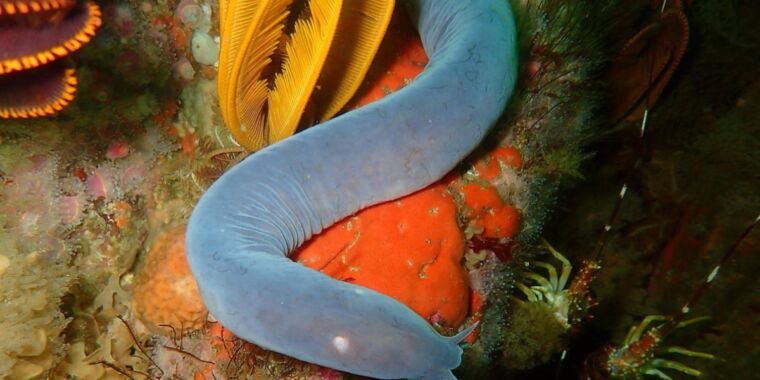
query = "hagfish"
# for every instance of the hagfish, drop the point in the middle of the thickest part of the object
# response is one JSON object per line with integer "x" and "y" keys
{"x": 250, "y": 219}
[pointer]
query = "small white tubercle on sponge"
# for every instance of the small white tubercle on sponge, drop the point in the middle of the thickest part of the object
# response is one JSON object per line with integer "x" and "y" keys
{"x": 205, "y": 49}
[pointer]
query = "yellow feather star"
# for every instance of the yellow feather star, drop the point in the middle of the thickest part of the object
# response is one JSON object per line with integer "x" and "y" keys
{"x": 361, "y": 28}
{"x": 305, "y": 54}
{"x": 250, "y": 31}
{"x": 330, "y": 49}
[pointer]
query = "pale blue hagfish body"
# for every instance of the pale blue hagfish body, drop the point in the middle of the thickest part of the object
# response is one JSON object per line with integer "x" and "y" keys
{"x": 245, "y": 225}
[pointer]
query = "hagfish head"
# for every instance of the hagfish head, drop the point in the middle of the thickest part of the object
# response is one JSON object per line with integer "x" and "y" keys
{"x": 384, "y": 339}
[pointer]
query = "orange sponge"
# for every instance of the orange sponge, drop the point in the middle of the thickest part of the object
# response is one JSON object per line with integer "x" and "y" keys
{"x": 409, "y": 249}
{"x": 165, "y": 291}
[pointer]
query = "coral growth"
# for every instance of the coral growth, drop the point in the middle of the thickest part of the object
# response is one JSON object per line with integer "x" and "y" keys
{"x": 117, "y": 355}
{"x": 35, "y": 274}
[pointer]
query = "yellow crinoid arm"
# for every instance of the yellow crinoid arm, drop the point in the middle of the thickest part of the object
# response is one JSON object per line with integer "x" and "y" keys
{"x": 250, "y": 33}
{"x": 361, "y": 28}
{"x": 306, "y": 53}
{"x": 230, "y": 39}
{"x": 223, "y": 5}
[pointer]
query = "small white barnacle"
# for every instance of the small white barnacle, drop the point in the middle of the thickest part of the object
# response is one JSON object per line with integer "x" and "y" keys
{"x": 360, "y": 291}
{"x": 341, "y": 344}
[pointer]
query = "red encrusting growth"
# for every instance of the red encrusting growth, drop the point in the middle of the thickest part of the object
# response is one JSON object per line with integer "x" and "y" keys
{"x": 489, "y": 168}
{"x": 488, "y": 211}
{"x": 410, "y": 249}
{"x": 492, "y": 221}
{"x": 399, "y": 60}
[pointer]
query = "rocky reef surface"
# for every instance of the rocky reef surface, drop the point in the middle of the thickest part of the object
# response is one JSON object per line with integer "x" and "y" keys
{"x": 93, "y": 203}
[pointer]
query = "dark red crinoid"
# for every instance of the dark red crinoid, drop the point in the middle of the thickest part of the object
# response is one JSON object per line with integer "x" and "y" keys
{"x": 34, "y": 36}
{"x": 644, "y": 66}
{"x": 37, "y": 92}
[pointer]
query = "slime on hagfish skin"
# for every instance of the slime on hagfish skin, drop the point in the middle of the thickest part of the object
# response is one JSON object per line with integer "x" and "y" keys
{"x": 245, "y": 225}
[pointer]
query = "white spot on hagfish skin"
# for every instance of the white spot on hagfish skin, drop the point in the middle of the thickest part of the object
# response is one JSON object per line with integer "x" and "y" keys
{"x": 341, "y": 344}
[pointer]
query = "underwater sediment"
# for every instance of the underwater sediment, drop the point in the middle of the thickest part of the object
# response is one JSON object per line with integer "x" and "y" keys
{"x": 94, "y": 203}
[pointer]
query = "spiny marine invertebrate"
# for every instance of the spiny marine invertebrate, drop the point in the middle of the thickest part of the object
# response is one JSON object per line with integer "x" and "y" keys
{"x": 331, "y": 47}
{"x": 34, "y": 37}
{"x": 640, "y": 353}
{"x": 292, "y": 190}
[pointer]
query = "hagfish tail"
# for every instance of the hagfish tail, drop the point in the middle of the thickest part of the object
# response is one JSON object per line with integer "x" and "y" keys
{"x": 249, "y": 220}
